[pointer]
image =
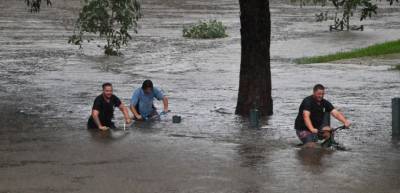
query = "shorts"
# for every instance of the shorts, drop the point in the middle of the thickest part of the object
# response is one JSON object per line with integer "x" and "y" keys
{"x": 306, "y": 136}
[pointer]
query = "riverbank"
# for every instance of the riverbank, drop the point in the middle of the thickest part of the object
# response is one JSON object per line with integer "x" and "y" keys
{"x": 387, "y": 53}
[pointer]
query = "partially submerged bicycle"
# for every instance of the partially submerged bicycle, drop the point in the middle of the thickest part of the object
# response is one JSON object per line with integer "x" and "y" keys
{"x": 331, "y": 143}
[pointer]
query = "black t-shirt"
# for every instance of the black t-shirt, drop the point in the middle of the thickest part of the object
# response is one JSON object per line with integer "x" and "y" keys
{"x": 317, "y": 112}
{"x": 106, "y": 110}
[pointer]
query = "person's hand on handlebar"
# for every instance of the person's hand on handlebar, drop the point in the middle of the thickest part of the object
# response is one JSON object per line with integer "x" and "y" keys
{"x": 103, "y": 128}
{"x": 347, "y": 124}
{"x": 326, "y": 129}
{"x": 164, "y": 112}
{"x": 139, "y": 117}
{"x": 314, "y": 130}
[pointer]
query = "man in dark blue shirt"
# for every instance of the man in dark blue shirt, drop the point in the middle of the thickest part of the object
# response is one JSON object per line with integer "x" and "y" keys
{"x": 313, "y": 120}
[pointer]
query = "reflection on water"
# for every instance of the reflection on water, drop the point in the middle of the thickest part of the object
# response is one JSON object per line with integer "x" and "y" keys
{"x": 313, "y": 158}
{"x": 108, "y": 135}
{"x": 396, "y": 142}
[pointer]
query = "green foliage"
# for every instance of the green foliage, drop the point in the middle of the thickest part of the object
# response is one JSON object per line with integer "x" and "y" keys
{"x": 110, "y": 19}
{"x": 392, "y": 1}
{"x": 345, "y": 9}
{"x": 206, "y": 30}
{"x": 391, "y": 47}
{"x": 34, "y": 5}
{"x": 348, "y": 7}
{"x": 397, "y": 67}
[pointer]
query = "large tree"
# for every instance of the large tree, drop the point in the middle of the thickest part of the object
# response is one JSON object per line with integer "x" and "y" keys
{"x": 255, "y": 71}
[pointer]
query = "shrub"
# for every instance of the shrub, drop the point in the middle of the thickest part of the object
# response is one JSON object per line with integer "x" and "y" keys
{"x": 205, "y": 30}
{"x": 397, "y": 67}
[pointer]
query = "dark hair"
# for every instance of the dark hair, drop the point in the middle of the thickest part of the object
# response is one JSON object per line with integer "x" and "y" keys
{"x": 106, "y": 84}
{"x": 147, "y": 84}
{"x": 318, "y": 87}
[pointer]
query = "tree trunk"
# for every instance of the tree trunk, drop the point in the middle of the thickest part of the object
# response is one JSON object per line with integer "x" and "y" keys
{"x": 255, "y": 72}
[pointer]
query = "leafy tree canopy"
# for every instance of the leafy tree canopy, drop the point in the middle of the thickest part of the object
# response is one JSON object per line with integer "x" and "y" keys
{"x": 110, "y": 19}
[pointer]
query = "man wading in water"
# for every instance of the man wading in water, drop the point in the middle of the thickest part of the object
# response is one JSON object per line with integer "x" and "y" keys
{"x": 313, "y": 120}
{"x": 103, "y": 109}
{"x": 142, "y": 105}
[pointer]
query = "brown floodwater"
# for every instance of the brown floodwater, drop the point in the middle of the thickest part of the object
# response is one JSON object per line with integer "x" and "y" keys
{"x": 48, "y": 87}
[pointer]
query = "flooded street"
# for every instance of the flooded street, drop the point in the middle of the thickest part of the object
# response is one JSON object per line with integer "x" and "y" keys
{"x": 48, "y": 88}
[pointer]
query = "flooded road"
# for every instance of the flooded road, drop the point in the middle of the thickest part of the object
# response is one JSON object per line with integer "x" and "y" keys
{"x": 48, "y": 88}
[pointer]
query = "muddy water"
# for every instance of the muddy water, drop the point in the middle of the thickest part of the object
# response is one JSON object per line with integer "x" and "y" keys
{"x": 48, "y": 87}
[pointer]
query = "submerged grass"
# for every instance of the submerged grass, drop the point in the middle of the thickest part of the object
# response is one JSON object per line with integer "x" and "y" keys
{"x": 206, "y": 30}
{"x": 391, "y": 47}
{"x": 397, "y": 67}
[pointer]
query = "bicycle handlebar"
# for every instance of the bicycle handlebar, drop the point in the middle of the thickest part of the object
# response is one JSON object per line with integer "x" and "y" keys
{"x": 336, "y": 129}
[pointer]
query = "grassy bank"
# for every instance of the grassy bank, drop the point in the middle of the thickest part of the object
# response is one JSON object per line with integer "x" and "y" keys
{"x": 391, "y": 47}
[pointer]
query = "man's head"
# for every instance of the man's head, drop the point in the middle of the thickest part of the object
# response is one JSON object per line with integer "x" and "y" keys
{"x": 107, "y": 90}
{"x": 147, "y": 86}
{"x": 319, "y": 92}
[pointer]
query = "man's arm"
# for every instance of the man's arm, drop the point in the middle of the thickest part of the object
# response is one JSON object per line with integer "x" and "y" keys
{"x": 307, "y": 121}
{"x": 159, "y": 95}
{"x": 95, "y": 116}
{"x": 124, "y": 111}
{"x": 340, "y": 117}
{"x": 135, "y": 112}
{"x": 165, "y": 102}
{"x": 134, "y": 102}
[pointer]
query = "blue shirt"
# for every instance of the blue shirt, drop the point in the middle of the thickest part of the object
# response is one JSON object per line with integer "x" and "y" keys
{"x": 144, "y": 102}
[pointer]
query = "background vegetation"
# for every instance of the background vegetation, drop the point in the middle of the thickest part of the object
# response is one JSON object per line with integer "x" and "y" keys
{"x": 206, "y": 30}
{"x": 110, "y": 20}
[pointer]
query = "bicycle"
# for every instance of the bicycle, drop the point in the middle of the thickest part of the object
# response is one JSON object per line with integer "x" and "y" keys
{"x": 331, "y": 143}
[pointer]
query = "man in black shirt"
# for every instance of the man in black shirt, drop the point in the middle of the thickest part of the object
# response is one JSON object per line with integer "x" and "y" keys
{"x": 103, "y": 109}
{"x": 313, "y": 120}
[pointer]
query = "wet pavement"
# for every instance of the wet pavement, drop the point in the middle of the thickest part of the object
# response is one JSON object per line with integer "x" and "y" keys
{"x": 48, "y": 88}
